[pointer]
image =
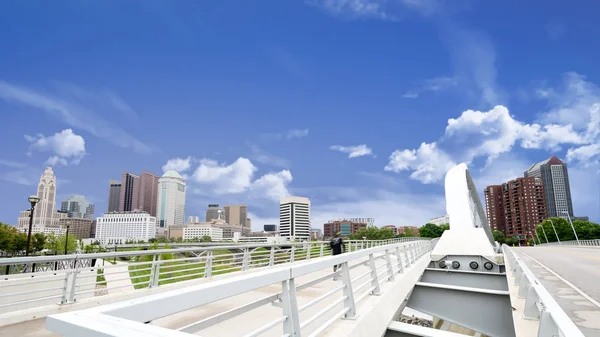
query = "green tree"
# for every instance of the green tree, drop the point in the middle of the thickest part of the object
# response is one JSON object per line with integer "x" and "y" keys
{"x": 511, "y": 241}
{"x": 499, "y": 236}
{"x": 38, "y": 241}
{"x": 206, "y": 238}
{"x": 373, "y": 233}
{"x": 57, "y": 244}
{"x": 586, "y": 230}
{"x": 430, "y": 231}
{"x": 409, "y": 232}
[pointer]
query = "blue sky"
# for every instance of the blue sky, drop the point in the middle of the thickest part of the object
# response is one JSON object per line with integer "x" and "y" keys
{"x": 360, "y": 105}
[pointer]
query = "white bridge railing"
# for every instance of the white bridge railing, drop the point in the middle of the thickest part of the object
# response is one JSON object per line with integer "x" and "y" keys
{"x": 581, "y": 243}
{"x": 30, "y": 282}
{"x": 539, "y": 304}
{"x": 361, "y": 273}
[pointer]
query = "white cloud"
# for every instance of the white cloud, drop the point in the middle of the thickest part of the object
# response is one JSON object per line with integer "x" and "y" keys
{"x": 353, "y": 151}
{"x": 585, "y": 154}
{"x": 178, "y": 164}
{"x": 273, "y": 185}
{"x": 428, "y": 163}
{"x": 233, "y": 178}
{"x": 433, "y": 84}
{"x": 238, "y": 178}
{"x": 286, "y": 135}
{"x": 12, "y": 164}
{"x": 354, "y": 9}
{"x": 490, "y": 134}
{"x": 79, "y": 109}
{"x": 264, "y": 157}
{"x": 66, "y": 145}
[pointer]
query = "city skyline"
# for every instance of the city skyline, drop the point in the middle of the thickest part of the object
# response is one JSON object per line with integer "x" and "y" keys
{"x": 360, "y": 109}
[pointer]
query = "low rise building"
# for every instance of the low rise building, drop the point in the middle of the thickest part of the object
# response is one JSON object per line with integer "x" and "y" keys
{"x": 344, "y": 227}
{"x": 78, "y": 227}
{"x": 393, "y": 228}
{"x": 316, "y": 234}
{"x": 189, "y": 232}
{"x": 440, "y": 220}
{"x": 124, "y": 226}
{"x": 412, "y": 230}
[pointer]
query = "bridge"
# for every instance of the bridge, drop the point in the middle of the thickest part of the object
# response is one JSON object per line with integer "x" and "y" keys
{"x": 462, "y": 284}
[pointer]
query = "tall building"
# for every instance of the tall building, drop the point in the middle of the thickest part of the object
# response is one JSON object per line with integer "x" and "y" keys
{"x": 494, "y": 207}
{"x": 344, "y": 227}
{"x": 516, "y": 207}
{"x": 114, "y": 196}
{"x": 270, "y": 228}
{"x": 77, "y": 206}
{"x": 130, "y": 192}
{"x": 214, "y": 212}
{"x": 294, "y": 217}
{"x": 119, "y": 227}
{"x": 147, "y": 194}
{"x": 171, "y": 201}
{"x": 193, "y": 219}
{"x": 80, "y": 228}
{"x": 236, "y": 215}
{"x": 46, "y": 207}
{"x": 557, "y": 190}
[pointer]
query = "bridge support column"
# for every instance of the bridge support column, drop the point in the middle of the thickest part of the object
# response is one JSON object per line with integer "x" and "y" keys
{"x": 374, "y": 279}
{"x": 291, "y": 325}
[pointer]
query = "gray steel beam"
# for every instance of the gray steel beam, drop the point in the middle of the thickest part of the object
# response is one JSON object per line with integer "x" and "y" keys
{"x": 474, "y": 279}
{"x": 399, "y": 329}
{"x": 486, "y": 311}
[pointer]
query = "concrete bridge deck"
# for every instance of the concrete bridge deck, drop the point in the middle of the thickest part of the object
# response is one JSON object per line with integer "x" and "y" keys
{"x": 572, "y": 276}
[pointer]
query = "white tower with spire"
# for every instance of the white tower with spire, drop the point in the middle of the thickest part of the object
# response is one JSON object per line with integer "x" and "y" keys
{"x": 46, "y": 208}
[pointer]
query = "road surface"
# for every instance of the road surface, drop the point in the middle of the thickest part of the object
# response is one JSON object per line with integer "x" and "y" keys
{"x": 572, "y": 276}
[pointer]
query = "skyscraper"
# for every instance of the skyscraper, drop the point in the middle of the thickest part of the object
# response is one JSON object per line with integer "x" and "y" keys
{"x": 236, "y": 215}
{"x": 294, "y": 217}
{"x": 171, "y": 202}
{"x": 114, "y": 196}
{"x": 130, "y": 192}
{"x": 148, "y": 193}
{"x": 214, "y": 212}
{"x": 516, "y": 207}
{"x": 77, "y": 206}
{"x": 557, "y": 190}
{"x": 46, "y": 207}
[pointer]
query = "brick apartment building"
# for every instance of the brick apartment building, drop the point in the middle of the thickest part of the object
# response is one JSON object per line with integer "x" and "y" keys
{"x": 516, "y": 207}
{"x": 345, "y": 227}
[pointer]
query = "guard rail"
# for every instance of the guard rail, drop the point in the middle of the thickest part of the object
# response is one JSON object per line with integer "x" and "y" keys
{"x": 539, "y": 304}
{"x": 360, "y": 271}
{"x": 34, "y": 281}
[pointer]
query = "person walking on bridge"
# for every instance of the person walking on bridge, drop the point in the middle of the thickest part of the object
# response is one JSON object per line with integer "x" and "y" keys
{"x": 337, "y": 247}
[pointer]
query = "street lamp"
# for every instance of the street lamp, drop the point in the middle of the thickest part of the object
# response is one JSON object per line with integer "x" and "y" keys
{"x": 571, "y": 222}
{"x": 552, "y": 223}
{"x": 33, "y": 200}
{"x": 67, "y": 238}
{"x": 546, "y": 236}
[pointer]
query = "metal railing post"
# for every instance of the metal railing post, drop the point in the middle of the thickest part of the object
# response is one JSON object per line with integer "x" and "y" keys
{"x": 208, "y": 264}
{"x": 73, "y": 282}
{"x": 390, "y": 270}
{"x": 245, "y": 259}
{"x": 272, "y": 256}
{"x": 157, "y": 273}
{"x": 321, "y": 250}
{"x": 523, "y": 286}
{"x": 348, "y": 292}
{"x": 374, "y": 279}
{"x": 308, "y": 249}
{"x": 152, "y": 271}
{"x": 399, "y": 258}
{"x": 292, "y": 254}
{"x": 531, "y": 311}
{"x": 64, "y": 299}
{"x": 291, "y": 325}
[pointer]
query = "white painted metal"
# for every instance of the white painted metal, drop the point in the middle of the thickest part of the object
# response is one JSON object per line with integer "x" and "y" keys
{"x": 539, "y": 304}
{"x": 131, "y": 314}
{"x": 80, "y": 279}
